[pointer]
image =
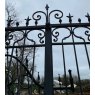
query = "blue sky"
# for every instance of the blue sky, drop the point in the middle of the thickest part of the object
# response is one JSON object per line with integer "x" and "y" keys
{"x": 77, "y": 8}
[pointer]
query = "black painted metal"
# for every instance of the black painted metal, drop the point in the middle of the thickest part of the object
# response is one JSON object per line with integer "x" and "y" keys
{"x": 51, "y": 39}
{"x": 48, "y": 86}
{"x": 71, "y": 80}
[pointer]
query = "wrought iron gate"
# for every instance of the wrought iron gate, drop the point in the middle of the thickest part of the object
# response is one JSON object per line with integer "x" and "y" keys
{"x": 18, "y": 68}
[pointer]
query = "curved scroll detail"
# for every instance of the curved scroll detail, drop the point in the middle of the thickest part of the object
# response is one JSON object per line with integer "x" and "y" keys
{"x": 55, "y": 35}
{"x": 88, "y": 35}
{"x": 28, "y": 72}
{"x": 10, "y": 37}
{"x": 58, "y": 14}
{"x": 66, "y": 37}
{"x": 36, "y": 16}
{"x": 31, "y": 40}
{"x": 41, "y": 36}
{"x": 86, "y": 32}
{"x": 79, "y": 37}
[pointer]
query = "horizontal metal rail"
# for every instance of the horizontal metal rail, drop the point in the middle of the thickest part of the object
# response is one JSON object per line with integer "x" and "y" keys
{"x": 43, "y": 45}
{"x": 44, "y": 26}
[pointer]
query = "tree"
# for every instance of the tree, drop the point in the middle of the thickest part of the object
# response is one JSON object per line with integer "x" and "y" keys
{"x": 10, "y": 12}
{"x": 25, "y": 55}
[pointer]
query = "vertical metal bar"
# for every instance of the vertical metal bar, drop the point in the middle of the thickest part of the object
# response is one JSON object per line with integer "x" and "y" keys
{"x": 22, "y": 60}
{"x": 48, "y": 84}
{"x": 7, "y": 77}
{"x": 64, "y": 68}
{"x": 33, "y": 69}
{"x": 28, "y": 79}
{"x": 18, "y": 82}
{"x": 31, "y": 88}
{"x": 59, "y": 79}
{"x": 38, "y": 83}
{"x": 87, "y": 55}
{"x": 77, "y": 64}
{"x": 71, "y": 80}
{"x": 9, "y": 66}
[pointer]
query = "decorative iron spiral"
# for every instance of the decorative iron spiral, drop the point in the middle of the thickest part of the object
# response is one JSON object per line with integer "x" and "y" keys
{"x": 36, "y": 16}
{"x": 10, "y": 37}
{"x": 55, "y": 35}
{"x": 41, "y": 36}
{"x": 58, "y": 14}
{"x": 88, "y": 35}
{"x": 86, "y": 32}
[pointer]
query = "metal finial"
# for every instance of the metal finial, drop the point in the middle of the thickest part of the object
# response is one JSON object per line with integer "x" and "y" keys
{"x": 70, "y": 18}
{"x": 9, "y": 21}
{"x": 59, "y": 79}
{"x": 47, "y": 7}
{"x": 60, "y": 21}
{"x": 47, "y": 16}
{"x": 38, "y": 77}
{"x": 69, "y": 70}
{"x": 17, "y": 24}
{"x": 88, "y": 17}
{"x": 27, "y": 21}
{"x": 79, "y": 20}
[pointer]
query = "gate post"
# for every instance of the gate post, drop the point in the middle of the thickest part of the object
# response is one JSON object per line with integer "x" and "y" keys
{"x": 48, "y": 82}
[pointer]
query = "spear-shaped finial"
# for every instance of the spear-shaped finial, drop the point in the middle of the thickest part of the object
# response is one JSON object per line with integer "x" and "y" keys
{"x": 27, "y": 21}
{"x": 38, "y": 77}
{"x": 88, "y": 17}
{"x": 47, "y": 16}
{"x": 9, "y": 21}
{"x": 70, "y": 18}
{"x": 47, "y": 7}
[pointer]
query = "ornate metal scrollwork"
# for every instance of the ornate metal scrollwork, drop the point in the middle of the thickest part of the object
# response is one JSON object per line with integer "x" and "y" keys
{"x": 79, "y": 37}
{"x": 29, "y": 38}
{"x": 87, "y": 34}
{"x": 37, "y": 17}
{"x": 25, "y": 35}
{"x": 10, "y": 37}
{"x": 66, "y": 37}
{"x": 57, "y": 15}
{"x": 55, "y": 35}
{"x": 48, "y": 36}
{"x": 41, "y": 36}
{"x": 20, "y": 39}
